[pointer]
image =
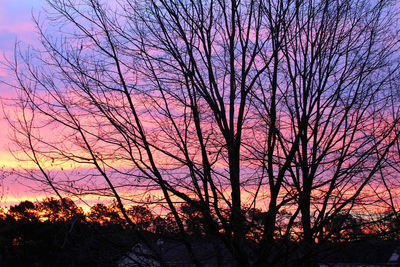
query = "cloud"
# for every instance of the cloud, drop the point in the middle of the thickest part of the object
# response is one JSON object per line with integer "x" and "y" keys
{"x": 13, "y": 12}
{"x": 7, "y": 40}
{"x": 16, "y": 21}
{"x": 15, "y": 25}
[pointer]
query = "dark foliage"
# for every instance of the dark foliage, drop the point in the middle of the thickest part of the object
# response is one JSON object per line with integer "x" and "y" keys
{"x": 49, "y": 234}
{"x": 58, "y": 233}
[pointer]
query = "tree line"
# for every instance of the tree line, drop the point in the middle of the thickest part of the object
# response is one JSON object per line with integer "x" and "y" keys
{"x": 53, "y": 211}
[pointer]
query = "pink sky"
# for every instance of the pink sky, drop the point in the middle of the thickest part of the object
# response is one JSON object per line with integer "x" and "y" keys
{"x": 15, "y": 25}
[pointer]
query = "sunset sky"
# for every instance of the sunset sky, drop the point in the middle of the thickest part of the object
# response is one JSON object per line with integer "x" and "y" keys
{"x": 16, "y": 25}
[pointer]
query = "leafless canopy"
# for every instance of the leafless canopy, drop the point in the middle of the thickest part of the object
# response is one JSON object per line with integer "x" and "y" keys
{"x": 288, "y": 106}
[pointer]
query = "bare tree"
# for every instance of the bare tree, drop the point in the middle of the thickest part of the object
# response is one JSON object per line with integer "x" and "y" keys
{"x": 227, "y": 106}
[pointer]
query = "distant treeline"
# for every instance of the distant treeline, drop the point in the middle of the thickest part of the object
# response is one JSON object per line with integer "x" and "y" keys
{"x": 58, "y": 233}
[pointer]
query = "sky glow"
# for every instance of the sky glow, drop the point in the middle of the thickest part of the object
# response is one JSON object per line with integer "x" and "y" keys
{"x": 16, "y": 26}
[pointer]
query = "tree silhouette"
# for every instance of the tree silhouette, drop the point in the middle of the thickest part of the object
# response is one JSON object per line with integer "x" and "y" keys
{"x": 193, "y": 220}
{"x": 141, "y": 216}
{"x": 57, "y": 238}
{"x": 56, "y": 210}
{"x": 102, "y": 214}
{"x": 25, "y": 210}
{"x": 283, "y": 105}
